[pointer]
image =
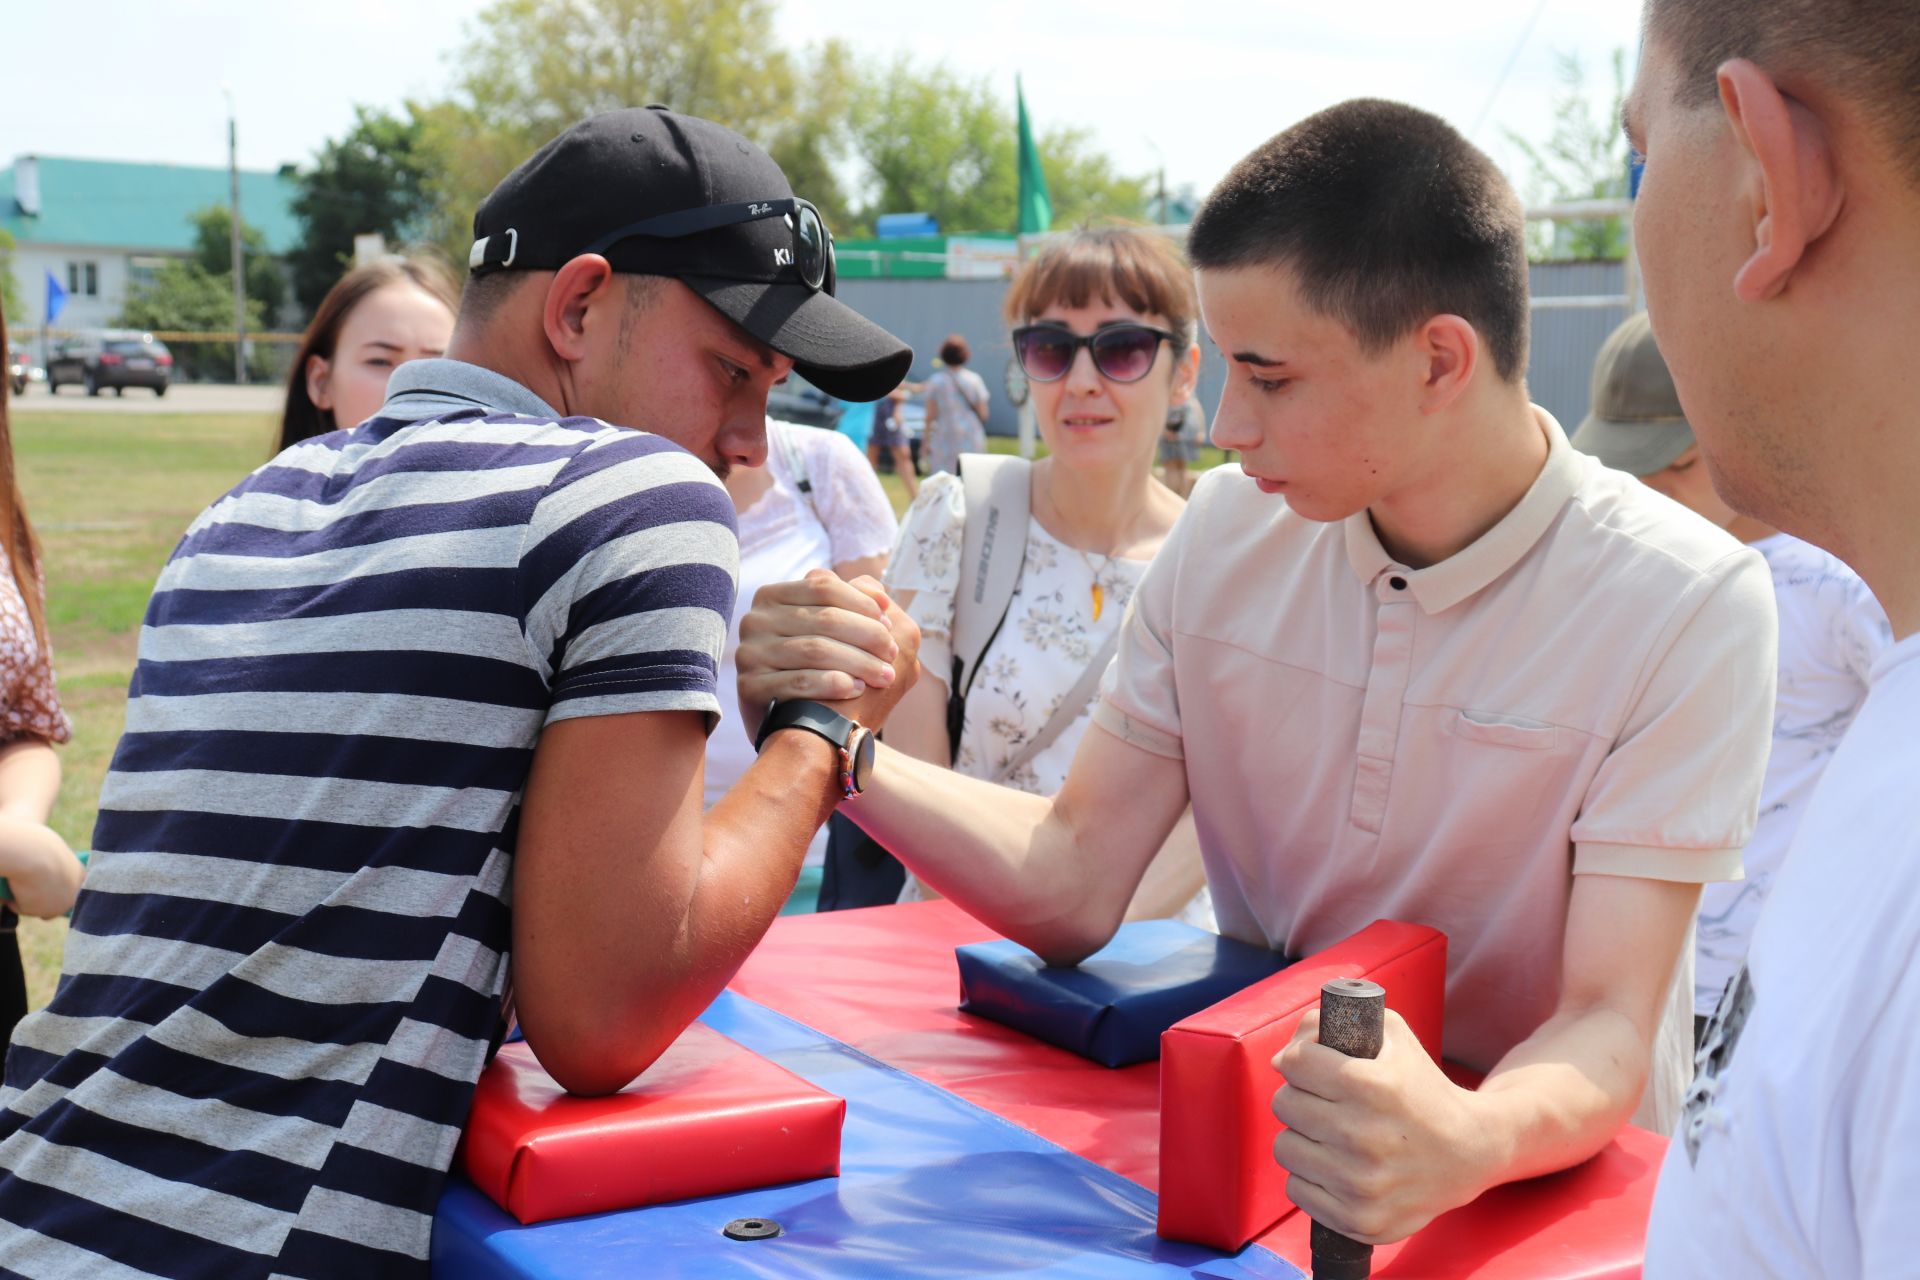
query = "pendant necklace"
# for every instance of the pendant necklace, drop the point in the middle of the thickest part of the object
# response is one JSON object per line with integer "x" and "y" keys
{"x": 1099, "y": 593}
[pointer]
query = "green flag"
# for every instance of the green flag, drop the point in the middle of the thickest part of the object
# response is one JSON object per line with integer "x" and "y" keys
{"x": 1036, "y": 207}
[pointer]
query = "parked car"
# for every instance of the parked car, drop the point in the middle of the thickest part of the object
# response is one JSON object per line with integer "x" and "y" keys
{"x": 19, "y": 367}
{"x": 115, "y": 358}
{"x": 798, "y": 400}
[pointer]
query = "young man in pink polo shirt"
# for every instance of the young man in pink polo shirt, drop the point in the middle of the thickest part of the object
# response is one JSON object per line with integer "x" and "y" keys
{"x": 1418, "y": 659}
{"x": 1779, "y": 224}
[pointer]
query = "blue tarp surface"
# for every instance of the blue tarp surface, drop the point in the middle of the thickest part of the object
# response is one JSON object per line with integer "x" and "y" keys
{"x": 930, "y": 1186}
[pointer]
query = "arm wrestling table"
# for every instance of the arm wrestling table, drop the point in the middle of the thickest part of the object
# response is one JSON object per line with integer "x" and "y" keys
{"x": 970, "y": 1149}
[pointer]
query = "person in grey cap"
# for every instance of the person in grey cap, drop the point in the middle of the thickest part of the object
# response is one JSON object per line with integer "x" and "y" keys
{"x": 1832, "y": 631}
{"x": 429, "y": 693}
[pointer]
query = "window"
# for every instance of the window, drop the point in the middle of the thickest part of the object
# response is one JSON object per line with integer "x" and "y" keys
{"x": 141, "y": 271}
{"x": 83, "y": 279}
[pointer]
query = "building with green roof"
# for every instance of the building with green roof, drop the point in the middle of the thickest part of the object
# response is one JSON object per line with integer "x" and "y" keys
{"x": 103, "y": 226}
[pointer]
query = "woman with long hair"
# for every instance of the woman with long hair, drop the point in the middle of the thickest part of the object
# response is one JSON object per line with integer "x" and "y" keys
{"x": 42, "y": 875}
{"x": 378, "y": 317}
{"x": 1104, "y": 326}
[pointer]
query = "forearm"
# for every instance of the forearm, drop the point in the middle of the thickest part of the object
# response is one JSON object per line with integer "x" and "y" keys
{"x": 625, "y": 928}
{"x": 29, "y": 779}
{"x": 753, "y": 842}
{"x": 42, "y": 875}
{"x": 1008, "y": 858}
{"x": 756, "y": 837}
{"x": 1174, "y": 876}
{"x": 1562, "y": 1094}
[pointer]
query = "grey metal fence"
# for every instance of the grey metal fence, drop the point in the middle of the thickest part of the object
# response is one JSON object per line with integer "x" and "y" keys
{"x": 1565, "y": 337}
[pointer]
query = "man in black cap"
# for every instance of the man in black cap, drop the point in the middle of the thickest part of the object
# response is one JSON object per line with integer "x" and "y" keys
{"x": 460, "y": 656}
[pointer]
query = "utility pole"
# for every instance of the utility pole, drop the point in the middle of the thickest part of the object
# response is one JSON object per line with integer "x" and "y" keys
{"x": 238, "y": 253}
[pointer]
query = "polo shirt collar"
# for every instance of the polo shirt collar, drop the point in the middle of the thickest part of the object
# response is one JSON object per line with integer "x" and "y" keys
{"x": 424, "y": 389}
{"x": 1441, "y": 586}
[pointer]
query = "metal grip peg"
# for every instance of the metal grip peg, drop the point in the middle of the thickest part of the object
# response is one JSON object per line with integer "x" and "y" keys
{"x": 1353, "y": 1019}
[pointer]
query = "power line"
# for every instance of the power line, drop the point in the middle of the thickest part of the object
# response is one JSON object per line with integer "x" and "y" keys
{"x": 1513, "y": 59}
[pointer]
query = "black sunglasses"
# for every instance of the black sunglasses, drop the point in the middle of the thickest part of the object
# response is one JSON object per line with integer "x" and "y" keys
{"x": 811, "y": 254}
{"x": 1121, "y": 352}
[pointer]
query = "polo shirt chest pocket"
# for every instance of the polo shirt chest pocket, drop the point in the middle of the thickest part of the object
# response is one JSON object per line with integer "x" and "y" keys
{"x": 1502, "y": 731}
{"x": 1487, "y": 779}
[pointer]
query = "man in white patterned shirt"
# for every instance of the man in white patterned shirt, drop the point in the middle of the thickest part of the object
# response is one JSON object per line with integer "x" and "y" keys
{"x": 1832, "y": 631}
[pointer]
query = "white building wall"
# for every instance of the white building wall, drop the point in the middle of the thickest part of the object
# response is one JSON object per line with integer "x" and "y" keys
{"x": 31, "y": 262}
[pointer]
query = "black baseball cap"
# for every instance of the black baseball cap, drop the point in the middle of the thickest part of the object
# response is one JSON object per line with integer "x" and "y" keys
{"x": 626, "y": 167}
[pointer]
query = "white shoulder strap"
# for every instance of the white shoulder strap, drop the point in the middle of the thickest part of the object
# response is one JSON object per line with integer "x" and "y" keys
{"x": 780, "y": 436}
{"x": 992, "y": 550}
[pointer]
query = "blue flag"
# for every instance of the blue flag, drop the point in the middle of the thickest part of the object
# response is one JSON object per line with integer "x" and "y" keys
{"x": 56, "y": 298}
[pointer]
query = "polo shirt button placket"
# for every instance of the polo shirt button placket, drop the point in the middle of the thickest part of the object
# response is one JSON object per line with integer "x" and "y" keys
{"x": 1381, "y": 710}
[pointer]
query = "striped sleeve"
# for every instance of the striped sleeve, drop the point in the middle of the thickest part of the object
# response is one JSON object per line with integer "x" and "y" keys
{"x": 627, "y": 579}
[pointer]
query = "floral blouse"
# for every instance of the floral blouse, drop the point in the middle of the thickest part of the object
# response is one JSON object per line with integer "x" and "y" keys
{"x": 1049, "y": 637}
{"x": 29, "y": 702}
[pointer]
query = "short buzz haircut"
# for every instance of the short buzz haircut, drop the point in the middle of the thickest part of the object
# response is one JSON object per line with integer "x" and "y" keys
{"x": 1867, "y": 51}
{"x": 1386, "y": 217}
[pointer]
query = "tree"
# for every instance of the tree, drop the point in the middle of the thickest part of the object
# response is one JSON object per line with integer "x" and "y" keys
{"x": 531, "y": 68}
{"x": 213, "y": 254}
{"x": 1083, "y": 182}
{"x": 932, "y": 141}
{"x": 186, "y": 296}
{"x": 374, "y": 180}
{"x": 856, "y": 138}
{"x": 11, "y": 301}
{"x": 1583, "y": 158}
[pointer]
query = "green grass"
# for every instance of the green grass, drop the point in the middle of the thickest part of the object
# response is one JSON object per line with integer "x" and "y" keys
{"x": 110, "y": 494}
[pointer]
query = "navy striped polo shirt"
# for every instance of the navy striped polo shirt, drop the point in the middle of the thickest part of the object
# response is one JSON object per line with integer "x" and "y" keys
{"x": 284, "y": 972}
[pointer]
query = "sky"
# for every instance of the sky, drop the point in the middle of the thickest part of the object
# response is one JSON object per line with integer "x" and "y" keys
{"x": 1188, "y": 88}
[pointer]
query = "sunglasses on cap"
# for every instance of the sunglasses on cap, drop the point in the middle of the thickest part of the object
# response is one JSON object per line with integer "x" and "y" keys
{"x": 811, "y": 254}
{"x": 1121, "y": 352}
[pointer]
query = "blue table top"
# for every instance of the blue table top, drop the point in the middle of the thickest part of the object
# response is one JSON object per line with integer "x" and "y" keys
{"x": 930, "y": 1185}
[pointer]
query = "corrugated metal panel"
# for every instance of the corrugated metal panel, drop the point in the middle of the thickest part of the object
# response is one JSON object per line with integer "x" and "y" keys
{"x": 924, "y": 312}
{"x": 1565, "y": 341}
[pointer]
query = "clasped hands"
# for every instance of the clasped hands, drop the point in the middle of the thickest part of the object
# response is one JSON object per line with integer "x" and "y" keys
{"x": 828, "y": 640}
{"x": 1377, "y": 1149}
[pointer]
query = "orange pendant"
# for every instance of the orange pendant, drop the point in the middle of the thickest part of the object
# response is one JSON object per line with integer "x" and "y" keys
{"x": 1099, "y": 599}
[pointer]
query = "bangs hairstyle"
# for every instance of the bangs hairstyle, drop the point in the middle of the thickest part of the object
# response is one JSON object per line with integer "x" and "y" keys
{"x": 302, "y": 419}
{"x": 1386, "y": 217}
{"x": 1130, "y": 266}
{"x": 1866, "y": 51}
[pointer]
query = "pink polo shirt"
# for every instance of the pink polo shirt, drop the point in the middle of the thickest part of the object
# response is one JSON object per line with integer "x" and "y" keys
{"x": 1586, "y": 688}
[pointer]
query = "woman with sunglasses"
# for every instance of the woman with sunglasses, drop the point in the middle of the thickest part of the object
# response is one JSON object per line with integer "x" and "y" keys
{"x": 1105, "y": 326}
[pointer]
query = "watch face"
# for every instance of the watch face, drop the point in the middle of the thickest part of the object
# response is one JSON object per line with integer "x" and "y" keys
{"x": 861, "y": 765}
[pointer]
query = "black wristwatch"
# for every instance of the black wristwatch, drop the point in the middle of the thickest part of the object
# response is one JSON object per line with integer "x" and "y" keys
{"x": 854, "y": 739}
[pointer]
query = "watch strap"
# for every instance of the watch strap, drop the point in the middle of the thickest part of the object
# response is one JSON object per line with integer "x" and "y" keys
{"x": 815, "y": 717}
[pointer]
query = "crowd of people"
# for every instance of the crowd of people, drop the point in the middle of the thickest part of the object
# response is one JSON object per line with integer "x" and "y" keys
{"x": 537, "y": 641}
